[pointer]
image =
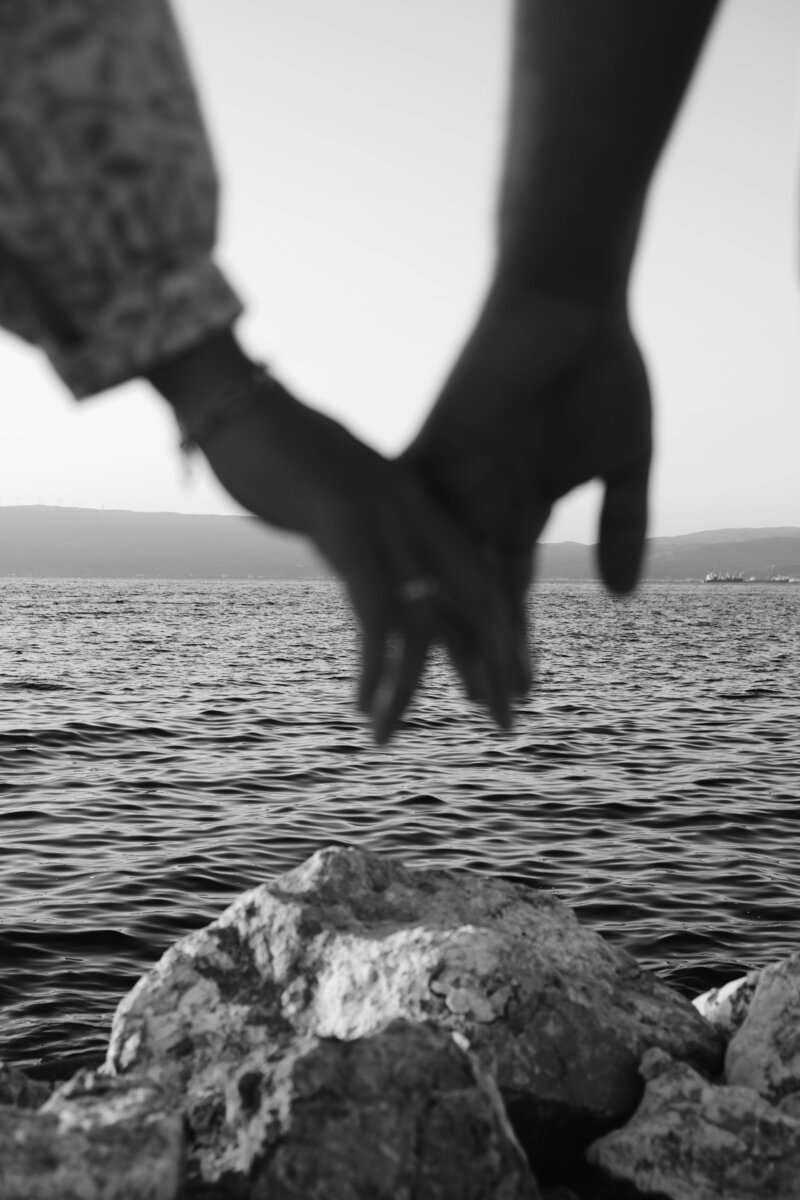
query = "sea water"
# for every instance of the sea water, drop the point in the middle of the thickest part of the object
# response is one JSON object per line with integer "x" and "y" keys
{"x": 165, "y": 745}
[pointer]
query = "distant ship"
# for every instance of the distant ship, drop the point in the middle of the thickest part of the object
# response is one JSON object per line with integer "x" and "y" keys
{"x": 731, "y": 577}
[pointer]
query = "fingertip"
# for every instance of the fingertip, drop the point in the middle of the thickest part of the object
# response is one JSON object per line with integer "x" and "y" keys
{"x": 386, "y": 717}
{"x": 620, "y": 554}
{"x": 623, "y": 531}
{"x": 504, "y": 719}
{"x": 382, "y": 731}
{"x": 498, "y": 696}
{"x": 620, "y": 567}
{"x": 473, "y": 676}
{"x": 387, "y": 712}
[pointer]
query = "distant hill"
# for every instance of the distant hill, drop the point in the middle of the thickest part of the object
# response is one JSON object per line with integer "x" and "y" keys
{"x": 40, "y": 540}
{"x": 45, "y": 541}
{"x": 757, "y": 552}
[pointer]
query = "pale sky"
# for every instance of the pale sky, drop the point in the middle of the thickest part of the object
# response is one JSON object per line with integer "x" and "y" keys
{"x": 359, "y": 144}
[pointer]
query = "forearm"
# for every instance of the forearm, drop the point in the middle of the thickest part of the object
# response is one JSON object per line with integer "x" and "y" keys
{"x": 595, "y": 88}
{"x": 261, "y": 443}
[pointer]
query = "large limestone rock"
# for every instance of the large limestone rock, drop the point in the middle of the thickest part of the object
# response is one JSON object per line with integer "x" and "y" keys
{"x": 406, "y": 1114}
{"x": 402, "y": 1115}
{"x": 759, "y": 1015}
{"x": 764, "y": 1052}
{"x": 349, "y": 942}
{"x": 94, "y": 1139}
{"x": 693, "y": 1140}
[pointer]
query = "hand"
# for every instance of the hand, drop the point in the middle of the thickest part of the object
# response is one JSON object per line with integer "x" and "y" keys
{"x": 547, "y": 394}
{"x": 411, "y": 575}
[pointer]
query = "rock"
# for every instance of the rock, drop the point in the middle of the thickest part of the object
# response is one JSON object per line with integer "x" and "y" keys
{"x": 400, "y": 1115}
{"x": 97, "y": 1139}
{"x": 93, "y": 1098}
{"x": 350, "y": 941}
{"x": 725, "y": 1007}
{"x": 759, "y": 1014}
{"x": 693, "y": 1140}
{"x": 764, "y": 1052}
{"x": 20, "y": 1091}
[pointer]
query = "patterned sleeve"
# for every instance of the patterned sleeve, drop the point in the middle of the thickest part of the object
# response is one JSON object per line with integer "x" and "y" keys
{"x": 108, "y": 193}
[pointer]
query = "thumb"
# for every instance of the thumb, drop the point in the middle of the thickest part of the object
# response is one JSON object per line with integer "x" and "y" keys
{"x": 623, "y": 527}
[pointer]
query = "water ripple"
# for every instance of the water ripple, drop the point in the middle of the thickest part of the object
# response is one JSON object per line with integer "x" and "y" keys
{"x": 164, "y": 746}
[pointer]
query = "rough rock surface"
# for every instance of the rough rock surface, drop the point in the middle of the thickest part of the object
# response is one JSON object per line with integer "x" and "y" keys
{"x": 726, "y": 1007}
{"x": 402, "y": 1115}
{"x": 351, "y": 941}
{"x": 764, "y": 1052}
{"x": 20, "y": 1091}
{"x": 693, "y": 1140}
{"x": 95, "y": 1139}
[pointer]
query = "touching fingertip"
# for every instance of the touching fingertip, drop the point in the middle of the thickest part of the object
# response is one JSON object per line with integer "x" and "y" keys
{"x": 380, "y": 732}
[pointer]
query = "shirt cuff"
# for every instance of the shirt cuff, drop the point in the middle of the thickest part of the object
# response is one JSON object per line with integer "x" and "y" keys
{"x": 152, "y": 320}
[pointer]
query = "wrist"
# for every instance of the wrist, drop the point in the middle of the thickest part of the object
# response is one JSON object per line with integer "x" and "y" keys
{"x": 210, "y": 385}
{"x": 189, "y": 380}
{"x": 583, "y": 270}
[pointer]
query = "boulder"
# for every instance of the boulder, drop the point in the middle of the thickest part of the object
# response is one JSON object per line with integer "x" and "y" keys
{"x": 349, "y": 942}
{"x": 94, "y": 1139}
{"x": 759, "y": 1015}
{"x": 694, "y": 1140}
{"x": 764, "y": 1052}
{"x": 400, "y": 1115}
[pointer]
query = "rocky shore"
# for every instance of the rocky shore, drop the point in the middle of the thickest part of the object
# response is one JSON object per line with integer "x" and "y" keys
{"x": 354, "y": 1030}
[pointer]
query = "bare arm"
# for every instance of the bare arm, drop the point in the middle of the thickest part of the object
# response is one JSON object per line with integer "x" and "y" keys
{"x": 595, "y": 88}
{"x": 549, "y": 390}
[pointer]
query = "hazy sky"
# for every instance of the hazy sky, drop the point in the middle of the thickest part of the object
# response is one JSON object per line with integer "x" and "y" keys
{"x": 359, "y": 144}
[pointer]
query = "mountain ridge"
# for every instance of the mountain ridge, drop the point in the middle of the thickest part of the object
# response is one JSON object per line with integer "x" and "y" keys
{"x": 48, "y": 541}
